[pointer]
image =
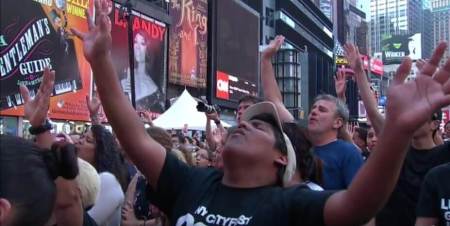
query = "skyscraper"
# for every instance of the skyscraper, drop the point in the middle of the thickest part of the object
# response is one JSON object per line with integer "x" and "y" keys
{"x": 440, "y": 21}
{"x": 400, "y": 17}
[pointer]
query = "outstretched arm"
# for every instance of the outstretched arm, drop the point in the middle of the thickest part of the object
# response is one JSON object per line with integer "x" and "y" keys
{"x": 370, "y": 103}
{"x": 272, "y": 92}
{"x": 146, "y": 153}
{"x": 409, "y": 106}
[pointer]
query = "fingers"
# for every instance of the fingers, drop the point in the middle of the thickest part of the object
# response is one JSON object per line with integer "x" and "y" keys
{"x": 25, "y": 93}
{"x": 48, "y": 82}
{"x": 443, "y": 74}
{"x": 77, "y": 33}
{"x": 430, "y": 67}
{"x": 402, "y": 71}
{"x": 90, "y": 20}
{"x": 420, "y": 63}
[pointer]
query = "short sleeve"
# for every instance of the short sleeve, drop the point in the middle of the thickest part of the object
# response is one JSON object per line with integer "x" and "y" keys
{"x": 307, "y": 206}
{"x": 428, "y": 205}
{"x": 353, "y": 162}
{"x": 172, "y": 180}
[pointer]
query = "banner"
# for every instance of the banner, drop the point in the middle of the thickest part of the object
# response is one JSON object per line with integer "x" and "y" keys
{"x": 149, "y": 59}
{"x": 188, "y": 42}
{"x": 397, "y": 47}
{"x": 34, "y": 35}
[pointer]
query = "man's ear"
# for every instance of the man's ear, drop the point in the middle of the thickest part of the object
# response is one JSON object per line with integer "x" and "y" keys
{"x": 5, "y": 209}
{"x": 281, "y": 160}
{"x": 338, "y": 123}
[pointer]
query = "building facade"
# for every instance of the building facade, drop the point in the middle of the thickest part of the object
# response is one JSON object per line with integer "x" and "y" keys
{"x": 440, "y": 21}
{"x": 400, "y": 17}
{"x": 304, "y": 67}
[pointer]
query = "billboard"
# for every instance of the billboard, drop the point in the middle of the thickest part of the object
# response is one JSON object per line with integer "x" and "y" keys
{"x": 35, "y": 35}
{"x": 237, "y": 56}
{"x": 188, "y": 42}
{"x": 149, "y": 43}
{"x": 396, "y": 47}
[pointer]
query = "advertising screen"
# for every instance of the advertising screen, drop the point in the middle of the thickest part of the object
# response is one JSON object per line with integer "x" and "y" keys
{"x": 188, "y": 42}
{"x": 237, "y": 60}
{"x": 34, "y": 35}
{"x": 396, "y": 47}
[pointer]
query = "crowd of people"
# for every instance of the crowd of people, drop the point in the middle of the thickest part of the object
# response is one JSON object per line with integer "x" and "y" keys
{"x": 266, "y": 170}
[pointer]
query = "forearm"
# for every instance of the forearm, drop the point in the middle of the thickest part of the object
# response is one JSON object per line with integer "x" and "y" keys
{"x": 45, "y": 140}
{"x": 269, "y": 83}
{"x": 371, "y": 179}
{"x": 369, "y": 101}
{"x": 95, "y": 119}
{"x": 271, "y": 91}
{"x": 147, "y": 154}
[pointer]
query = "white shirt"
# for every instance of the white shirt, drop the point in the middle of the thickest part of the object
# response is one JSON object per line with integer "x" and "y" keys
{"x": 107, "y": 208}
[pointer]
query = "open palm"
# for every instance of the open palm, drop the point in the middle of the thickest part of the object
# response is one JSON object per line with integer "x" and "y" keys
{"x": 411, "y": 104}
{"x": 36, "y": 109}
{"x": 97, "y": 41}
{"x": 340, "y": 83}
{"x": 353, "y": 57}
{"x": 273, "y": 47}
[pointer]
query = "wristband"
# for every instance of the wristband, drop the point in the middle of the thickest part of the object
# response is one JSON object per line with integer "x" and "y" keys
{"x": 217, "y": 122}
{"x": 40, "y": 129}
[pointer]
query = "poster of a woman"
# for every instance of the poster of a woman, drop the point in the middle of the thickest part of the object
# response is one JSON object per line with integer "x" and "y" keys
{"x": 149, "y": 86}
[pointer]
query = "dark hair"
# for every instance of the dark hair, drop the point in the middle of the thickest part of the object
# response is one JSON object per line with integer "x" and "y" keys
{"x": 27, "y": 175}
{"x": 188, "y": 138}
{"x": 161, "y": 136}
{"x": 107, "y": 155}
{"x": 362, "y": 133}
{"x": 149, "y": 59}
{"x": 249, "y": 98}
{"x": 309, "y": 166}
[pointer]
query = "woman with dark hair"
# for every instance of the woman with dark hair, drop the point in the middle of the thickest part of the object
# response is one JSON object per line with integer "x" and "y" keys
{"x": 309, "y": 167}
{"x": 148, "y": 88}
{"x": 27, "y": 174}
{"x": 99, "y": 148}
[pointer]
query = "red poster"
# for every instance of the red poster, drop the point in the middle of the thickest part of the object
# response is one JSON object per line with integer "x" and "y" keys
{"x": 188, "y": 42}
{"x": 35, "y": 34}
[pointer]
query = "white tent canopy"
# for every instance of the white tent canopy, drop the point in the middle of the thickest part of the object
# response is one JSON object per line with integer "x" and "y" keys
{"x": 182, "y": 112}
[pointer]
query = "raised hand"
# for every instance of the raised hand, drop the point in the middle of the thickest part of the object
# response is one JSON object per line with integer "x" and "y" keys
{"x": 36, "y": 109}
{"x": 97, "y": 41}
{"x": 420, "y": 63}
{"x": 340, "y": 83}
{"x": 353, "y": 57}
{"x": 93, "y": 105}
{"x": 273, "y": 47}
{"x": 411, "y": 104}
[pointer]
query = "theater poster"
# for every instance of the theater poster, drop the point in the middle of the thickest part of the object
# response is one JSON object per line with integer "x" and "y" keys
{"x": 36, "y": 34}
{"x": 188, "y": 42}
{"x": 149, "y": 43}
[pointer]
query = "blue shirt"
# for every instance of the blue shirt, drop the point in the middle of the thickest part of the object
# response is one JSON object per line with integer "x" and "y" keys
{"x": 341, "y": 160}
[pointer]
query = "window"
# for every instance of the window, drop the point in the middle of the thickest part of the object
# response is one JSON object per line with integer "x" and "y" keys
{"x": 269, "y": 17}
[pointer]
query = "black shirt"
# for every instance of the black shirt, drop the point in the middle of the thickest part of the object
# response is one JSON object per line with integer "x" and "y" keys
{"x": 196, "y": 195}
{"x": 434, "y": 201}
{"x": 401, "y": 206}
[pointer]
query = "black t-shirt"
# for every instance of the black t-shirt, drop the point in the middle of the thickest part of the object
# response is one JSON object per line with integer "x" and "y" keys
{"x": 196, "y": 195}
{"x": 434, "y": 201}
{"x": 401, "y": 206}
